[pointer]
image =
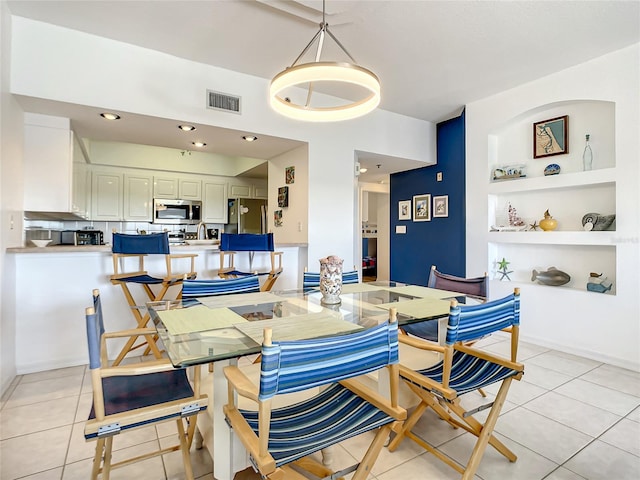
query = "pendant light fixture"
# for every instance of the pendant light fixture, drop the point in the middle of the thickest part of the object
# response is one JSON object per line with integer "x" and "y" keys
{"x": 336, "y": 73}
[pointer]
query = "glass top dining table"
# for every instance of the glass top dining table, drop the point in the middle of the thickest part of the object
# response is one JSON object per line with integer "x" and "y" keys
{"x": 210, "y": 329}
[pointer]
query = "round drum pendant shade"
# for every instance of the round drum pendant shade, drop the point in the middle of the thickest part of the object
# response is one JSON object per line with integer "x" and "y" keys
{"x": 337, "y": 72}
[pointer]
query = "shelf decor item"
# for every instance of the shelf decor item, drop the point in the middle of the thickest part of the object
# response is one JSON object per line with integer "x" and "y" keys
{"x": 509, "y": 221}
{"x": 598, "y": 283}
{"x": 550, "y": 137}
{"x": 552, "y": 169}
{"x": 509, "y": 172}
{"x": 552, "y": 277}
{"x": 548, "y": 223}
{"x": 331, "y": 279}
{"x": 422, "y": 208}
{"x": 587, "y": 155}
{"x": 597, "y": 223}
{"x": 502, "y": 269}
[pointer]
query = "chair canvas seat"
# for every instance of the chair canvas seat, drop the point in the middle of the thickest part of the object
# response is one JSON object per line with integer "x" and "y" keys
{"x": 145, "y": 279}
{"x": 469, "y": 373}
{"x": 295, "y": 432}
{"x": 150, "y": 390}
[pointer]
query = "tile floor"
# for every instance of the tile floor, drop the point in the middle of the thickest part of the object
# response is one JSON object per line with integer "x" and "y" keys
{"x": 570, "y": 418}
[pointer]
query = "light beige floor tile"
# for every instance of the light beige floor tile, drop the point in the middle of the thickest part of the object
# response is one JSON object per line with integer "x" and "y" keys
{"x": 79, "y": 448}
{"x": 544, "y": 377}
{"x": 624, "y": 435}
{"x": 53, "y": 474}
{"x": 601, "y": 461}
{"x": 201, "y": 461}
{"x": 564, "y": 363}
{"x": 33, "y": 453}
{"x": 562, "y": 473}
{"x": 432, "y": 429}
{"x": 37, "y": 417}
{"x": 575, "y": 414}
{"x": 84, "y": 407}
{"x": 598, "y": 396}
{"x": 635, "y": 415}
{"x": 151, "y": 469}
{"x": 520, "y": 392}
{"x": 423, "y": 467}
{"x": 81, "y": 470}
{"x": 525, "y": 350}
{"x": 550, "y": 439}
{"x": 57, "y": 373}
{"x": 494, "y": 466}
{"x": 45, "y": 390}
{"x": 625, "y": 381}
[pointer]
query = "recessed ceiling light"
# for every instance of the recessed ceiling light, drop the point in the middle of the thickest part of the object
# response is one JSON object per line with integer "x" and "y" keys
{"x": 363, "y": 170}
{"x": 110, "y": 116}
{"x": 187, "y": 128}
{"x": 249, "y": 138}
{"x": 199, "y": 144}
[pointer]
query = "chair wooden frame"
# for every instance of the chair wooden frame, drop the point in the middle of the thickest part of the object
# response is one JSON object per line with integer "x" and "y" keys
{"x": 228, "y": 269}
{"x": 123, "y": 274}
{"x": 444, "y": 399}
{"x": 256, "y": 437}
{"x": 108, "y": 420}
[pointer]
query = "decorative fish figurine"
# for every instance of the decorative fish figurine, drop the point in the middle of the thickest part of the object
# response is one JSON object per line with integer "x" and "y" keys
{"x": 552, "y": 276}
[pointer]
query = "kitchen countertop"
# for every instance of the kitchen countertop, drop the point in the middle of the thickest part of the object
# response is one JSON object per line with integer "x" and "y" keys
{"x": 107, "y": 248}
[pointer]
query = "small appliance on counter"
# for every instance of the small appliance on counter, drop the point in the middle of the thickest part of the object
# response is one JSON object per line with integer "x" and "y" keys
{"x": 42, "y": 234}
{"x": 176, "y": 238}
{"x": 82, "y": 237}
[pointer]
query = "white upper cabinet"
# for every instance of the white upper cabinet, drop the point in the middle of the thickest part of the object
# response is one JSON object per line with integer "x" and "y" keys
{"x": 106, "y": 196}
{"x": 177, "y": 187}
{"x": 138, "y": 198}
{"x": 215, "y": 202}
{"x": 248, "y": 188}
{"x": 165, "y": 187}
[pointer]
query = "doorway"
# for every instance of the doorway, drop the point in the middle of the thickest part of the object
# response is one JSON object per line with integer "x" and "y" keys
{"x": 374, "y": 239}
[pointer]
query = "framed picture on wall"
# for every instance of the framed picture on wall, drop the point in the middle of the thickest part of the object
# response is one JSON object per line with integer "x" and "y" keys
{"x": 550, "y": 137}
{"x": 441, "y": 206}
{"x": 404, "y": 210}
{"x": 283, "y": 197}
{"x": 422, "y": 208}
{"x": 289, "y": 175}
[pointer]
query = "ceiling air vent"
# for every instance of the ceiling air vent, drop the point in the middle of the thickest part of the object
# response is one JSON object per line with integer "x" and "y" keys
{"x": 223, "y": 101}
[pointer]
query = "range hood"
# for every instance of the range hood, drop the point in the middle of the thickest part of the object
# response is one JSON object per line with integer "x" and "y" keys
{"x": 59, "y": 216}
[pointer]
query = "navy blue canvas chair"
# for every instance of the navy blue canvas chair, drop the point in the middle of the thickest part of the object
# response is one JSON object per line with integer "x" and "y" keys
{"x": 311, "y": 280}
{"x": 129, "y": 253}
{"x": 278, "y": 438}
{"x": 464, "y": 369}
{"x": 232, "y": 243}
{"x": 476, "y": 288}
{"x": 131, "y": 396}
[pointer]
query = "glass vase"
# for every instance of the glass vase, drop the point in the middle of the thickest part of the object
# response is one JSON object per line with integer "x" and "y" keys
{"x": 587, "y": 156}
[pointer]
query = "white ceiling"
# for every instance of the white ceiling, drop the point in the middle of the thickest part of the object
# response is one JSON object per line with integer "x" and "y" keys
{"x": 432, "y": 57}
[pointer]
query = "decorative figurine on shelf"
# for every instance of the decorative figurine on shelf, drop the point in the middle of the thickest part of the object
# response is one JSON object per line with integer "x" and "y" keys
{"x": 502, "y": 270}
{"x": 513, "y": 222}
{"x": 548, "y": 223}
{"x": 598, "y": 283}
{"x": 552, "y": 169}
{"x": 534, "y": 226}
{"x": 552, "y": 277}
{"x": 597, "y": 223}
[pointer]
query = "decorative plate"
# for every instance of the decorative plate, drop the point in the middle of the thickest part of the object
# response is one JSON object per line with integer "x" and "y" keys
{"x": 552, "y": 169}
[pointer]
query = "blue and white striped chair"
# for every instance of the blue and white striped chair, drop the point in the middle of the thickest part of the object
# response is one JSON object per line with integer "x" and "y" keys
{"x": 207, "y": 288}
{"x": 278, "y": 437}
{"x": 311, "y": 280}
{"x": 136, "y": 395}
{"x": 462, "y": 370}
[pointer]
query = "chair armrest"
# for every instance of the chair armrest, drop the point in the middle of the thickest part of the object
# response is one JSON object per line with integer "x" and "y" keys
{"x": 505, "y": 362}
{"x": 241, "y": 383}
{"x": 375, "y": 398}
{"x": 427, "y": 383}
{"x": 141, "y": 368}
{"x": 130, "y": 333}
{"x": 420, "y": 343}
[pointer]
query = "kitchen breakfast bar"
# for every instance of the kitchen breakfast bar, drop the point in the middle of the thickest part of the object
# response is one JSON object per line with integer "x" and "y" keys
{"x": 54, "y": 284}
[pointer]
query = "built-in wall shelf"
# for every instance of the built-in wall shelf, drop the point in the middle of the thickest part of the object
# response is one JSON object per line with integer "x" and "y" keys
{"x": 603, "y": 176}
{"x": 554, "y": 238}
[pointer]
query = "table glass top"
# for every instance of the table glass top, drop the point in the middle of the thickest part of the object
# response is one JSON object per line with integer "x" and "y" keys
{"x": 228, "y": 326}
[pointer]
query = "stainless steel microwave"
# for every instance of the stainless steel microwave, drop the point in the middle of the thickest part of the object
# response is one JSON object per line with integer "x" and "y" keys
{"x": 176, "y": 212}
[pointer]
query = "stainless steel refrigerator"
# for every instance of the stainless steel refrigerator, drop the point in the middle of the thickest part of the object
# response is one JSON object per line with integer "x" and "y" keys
{"x": 247, "y": 215}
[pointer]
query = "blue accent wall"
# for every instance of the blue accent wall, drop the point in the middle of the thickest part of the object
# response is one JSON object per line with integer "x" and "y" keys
{"x": 441, "y": 241}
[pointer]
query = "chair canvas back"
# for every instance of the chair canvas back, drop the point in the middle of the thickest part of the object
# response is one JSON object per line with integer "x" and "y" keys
{"x": 298, "y": 365}
{"x": 205, "y": 288}
{"x": 476, "y": 286}
{"x": 153, "y": 243}
{"x": 470, "y": 322}
{"x": 312, "y": 279}
{"x": 247, "y": 242}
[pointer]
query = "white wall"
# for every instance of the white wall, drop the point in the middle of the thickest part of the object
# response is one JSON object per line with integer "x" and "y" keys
{"x": 160, "y": 85}
{"x": 603, "y": 327}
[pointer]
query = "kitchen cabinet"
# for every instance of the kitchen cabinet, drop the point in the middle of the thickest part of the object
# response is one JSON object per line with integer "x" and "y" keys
{"x": 106, "y": 196}
{"x": 56, "y": 168}
{"x": 81, "y": 182}
{"x": 138, "y": 198}
{"x": 248, "y": 188}
{"x": 177, "y": 187}
{"x": 215, "y": 202}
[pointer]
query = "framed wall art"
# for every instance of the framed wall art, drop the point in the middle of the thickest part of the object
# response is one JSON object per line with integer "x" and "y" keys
{"x": 441, "y": 206}
{"x": 550, "y": 137}
{"x": 404, "y": 210}
{"x": 277, "y": 218}
{"x": 422, "y": 208}
{"x": 289, "y": 175}
{"x": 283, "y": 197}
